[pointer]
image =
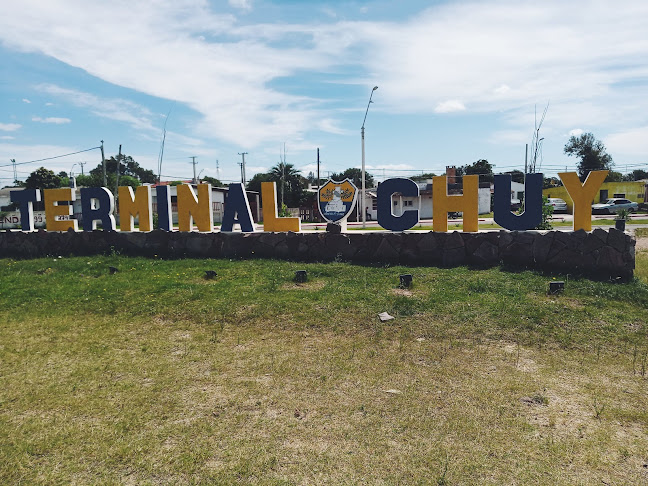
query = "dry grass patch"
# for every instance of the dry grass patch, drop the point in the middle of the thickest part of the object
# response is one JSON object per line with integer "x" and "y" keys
{"x": 311, "y": 285}
{"x": 480, "y": 378}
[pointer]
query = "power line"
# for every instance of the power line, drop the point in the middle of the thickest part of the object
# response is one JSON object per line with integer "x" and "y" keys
{"x": 50, "y": 158}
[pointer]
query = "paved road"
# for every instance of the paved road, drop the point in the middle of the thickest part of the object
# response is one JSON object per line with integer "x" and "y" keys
{"x": 557, "y": 218}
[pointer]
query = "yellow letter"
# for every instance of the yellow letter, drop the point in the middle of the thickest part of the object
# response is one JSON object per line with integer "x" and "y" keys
{"x": 271, "y": 220}
{"x": 130, "y": 205}
{"x": 583, "y": 195}
{"x": 190, "y": 208}
{"x": 53, "y": 209}
{"x": 468, "y": 203}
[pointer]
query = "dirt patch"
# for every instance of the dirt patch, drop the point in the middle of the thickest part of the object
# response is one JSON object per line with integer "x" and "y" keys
{"x": 311, "y": 286}
{"x": 403, "y": 292}
{"x": 642, "y": 243}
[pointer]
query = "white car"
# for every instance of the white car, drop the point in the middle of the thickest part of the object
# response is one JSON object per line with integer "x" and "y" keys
{"x": 559, "y": 205}
{"x": 614, "y": 205}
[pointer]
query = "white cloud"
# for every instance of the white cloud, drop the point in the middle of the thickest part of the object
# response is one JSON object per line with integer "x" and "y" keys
{"x": 576, "y": 132}
{"x": 7, "y": 137}
{"x": 474, "y": 51}
{"x": 330, "y": 126}
{"x": 486, "y": 54}
{"x": 9, "y": 127}
{"x": 241, "y": 4}
{"x": 51, "y": 119}
{"x": 251, "y": 169}
{"x": 117, "y": 109}
{"x": 632, "y": 142}
{"x": 512, "y": 137}
{"x": 25, "y": 100}
{"x": 449, "y": 106}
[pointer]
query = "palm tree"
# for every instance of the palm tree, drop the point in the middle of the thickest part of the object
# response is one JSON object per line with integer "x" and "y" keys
{"x": 287, "y": 177}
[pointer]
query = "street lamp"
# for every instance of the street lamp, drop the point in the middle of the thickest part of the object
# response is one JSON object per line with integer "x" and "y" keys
{"x": 362, "y": 131}
{"x": 71, "y": 173}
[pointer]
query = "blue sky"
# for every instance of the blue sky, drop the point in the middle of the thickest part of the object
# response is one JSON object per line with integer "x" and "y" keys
{"x": 458, "y": 81}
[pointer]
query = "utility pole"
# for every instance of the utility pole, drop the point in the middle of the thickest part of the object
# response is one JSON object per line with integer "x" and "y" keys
{"x": 117, "y": 178}
{"x": 283, "y": 173}
{"x": 526, "y": 158}
{"x": 82, "y": 164}
{"x": 362, "y": 131}
{"x": 193, "y": 161}
{"x": 13, "y": 161}
{"x": 242, "y": 164}
{"x": 103, "y": 164}
{"x": 217, "y": 170}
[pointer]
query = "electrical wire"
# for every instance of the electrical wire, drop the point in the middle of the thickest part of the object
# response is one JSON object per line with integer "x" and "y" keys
{"x": 50, "y": 158}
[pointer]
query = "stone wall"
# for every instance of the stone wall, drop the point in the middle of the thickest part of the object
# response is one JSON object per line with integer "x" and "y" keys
{"x": 603, "y": 254}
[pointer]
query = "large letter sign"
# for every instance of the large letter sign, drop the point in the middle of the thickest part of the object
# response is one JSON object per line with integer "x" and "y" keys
{"x": 336, "y": 201}
{"x": 26, "y": 198}
{"x": 165, "y": 221}
{"x": 271, "y": 220}
{"x": 237, "y": 210}
{"x": 195, "y": 209}
{"x": 467, "y": 203}
{"x": 583, "y": 195}
{"x": 90, "y": 196}
{"x": 532, "y": 215}
{"x": 386, "y": 218}
{"x": 53, "y": 209}
{"x": 131, "y": 205}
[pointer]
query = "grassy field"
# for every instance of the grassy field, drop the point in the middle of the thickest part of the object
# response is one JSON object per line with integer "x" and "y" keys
{"x": 154, "y": 375}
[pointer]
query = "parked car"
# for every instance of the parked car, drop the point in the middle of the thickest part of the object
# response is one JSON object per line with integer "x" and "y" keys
{"x": 614, "y": 205}
{"x": 559, "y": 205}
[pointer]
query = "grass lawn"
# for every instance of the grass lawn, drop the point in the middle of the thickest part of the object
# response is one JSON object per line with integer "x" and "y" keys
{"x": 155, "y": 375}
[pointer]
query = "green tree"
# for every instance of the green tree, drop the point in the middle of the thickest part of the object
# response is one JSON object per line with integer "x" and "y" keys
{"x": 482, "y": 168}
{"x": 290, "y": 184}
{"x": 636, "y": 175}
{"x": 127, "y": 180}
{"x": 254, "y": 184}
{"x": 548, "y": 182}
{"x": 355, "y": 176}
{"x": 591, "y": 153}
{"x": 547, "y": 212}
{"x": 213, "y": 181}
{"x": 516, "y": 176}
{"x": 43, "y": 179}
{"x": 127, "y": 166}
{"x": 89, "y": 181}
{"x": 614, "y": 176}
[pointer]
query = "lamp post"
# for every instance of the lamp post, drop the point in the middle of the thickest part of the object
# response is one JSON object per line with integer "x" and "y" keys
{"x": 362, "y": 131}
{"x": 72, "y": 173}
